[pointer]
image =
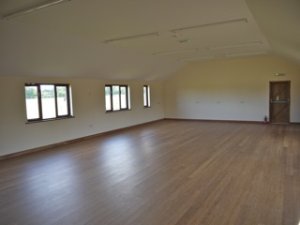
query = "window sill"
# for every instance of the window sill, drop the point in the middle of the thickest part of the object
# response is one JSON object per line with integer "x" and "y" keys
{"x": 46, "y": 120}
{"x": 121, "y": 110}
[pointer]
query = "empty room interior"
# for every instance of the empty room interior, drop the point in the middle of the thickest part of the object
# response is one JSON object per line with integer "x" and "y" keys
{"x": 138, "y": 112}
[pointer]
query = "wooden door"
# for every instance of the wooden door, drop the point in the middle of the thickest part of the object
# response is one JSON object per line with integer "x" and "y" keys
{"x": 280, "y": 101}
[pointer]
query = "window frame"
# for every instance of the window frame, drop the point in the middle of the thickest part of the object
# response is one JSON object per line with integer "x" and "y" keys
{"x": 147, "y": 104}
{"x": 110, "y": 86}
{"x": 40, "y": 107}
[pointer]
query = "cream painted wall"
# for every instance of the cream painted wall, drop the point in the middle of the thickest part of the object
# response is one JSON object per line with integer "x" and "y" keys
{"x": 88, "y": 103}
{"x": 231, "y": 89}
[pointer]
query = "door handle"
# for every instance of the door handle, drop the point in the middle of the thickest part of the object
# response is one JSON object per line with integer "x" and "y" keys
{"x": 280, "y": 101}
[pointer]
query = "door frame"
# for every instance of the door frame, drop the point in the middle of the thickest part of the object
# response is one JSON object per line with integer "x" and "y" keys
{"x": 289, "y": 102}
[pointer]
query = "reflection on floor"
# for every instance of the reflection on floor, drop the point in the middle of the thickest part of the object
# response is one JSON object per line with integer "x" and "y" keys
{"x": 165, "y": 173}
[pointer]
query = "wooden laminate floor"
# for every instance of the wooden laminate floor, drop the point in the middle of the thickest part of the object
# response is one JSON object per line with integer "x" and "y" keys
{"x": 165, "y": 173}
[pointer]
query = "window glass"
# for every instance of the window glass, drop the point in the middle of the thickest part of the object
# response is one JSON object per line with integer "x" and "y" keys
{"x": 145, "y": 95}
{"x": 62, "y": 100}
{"x": 48, "y": 101}
{"x": 32, "y": 102}
{"x": 128, "y": 98}
{"x": 107, "y": 98}
{"x": 123, "y": 97}
{"x": 148, "y": 95}
{"x": 116, "y": 97}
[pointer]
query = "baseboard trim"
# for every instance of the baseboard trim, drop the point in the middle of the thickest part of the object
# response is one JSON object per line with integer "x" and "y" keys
{"x": 228, "y": 121}
{"x": 219, "y": 121}
{"x": 46, "y": 147}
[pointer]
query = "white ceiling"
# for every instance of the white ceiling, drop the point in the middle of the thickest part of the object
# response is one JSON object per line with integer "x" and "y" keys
{"x": 127, "y": 39}
{"x": 279, "y": 20}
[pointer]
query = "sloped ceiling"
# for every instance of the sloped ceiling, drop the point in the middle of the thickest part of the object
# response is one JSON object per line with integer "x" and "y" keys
{"x": 129, "y": 39}
{"x": 279, "y": 20}
{"x": 31, "y": 51}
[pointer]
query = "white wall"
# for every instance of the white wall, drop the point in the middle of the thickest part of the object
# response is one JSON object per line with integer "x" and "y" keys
{"x": 88, "y": 103}
{"x": 232, "y": 89}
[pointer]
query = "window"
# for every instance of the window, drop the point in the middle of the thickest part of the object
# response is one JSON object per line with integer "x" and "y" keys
{"x": 47, "y": 101}
{"x": 117, "y": 98}
{"x": 146, "y": 94}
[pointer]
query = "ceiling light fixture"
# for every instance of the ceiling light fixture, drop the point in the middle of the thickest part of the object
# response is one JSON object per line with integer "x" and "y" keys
{"x": 240, "y": 45}
{"x": 279, "y": 74}
{"x": 154, "y": 34}
{"x": 33, "y": 9}
{"x": 183, "y": 41}
{"x": 176, "y": 51}
{"x": 245, "y": 54}
{"x": 196, "y": 58}
{"x": 243, "y": 20}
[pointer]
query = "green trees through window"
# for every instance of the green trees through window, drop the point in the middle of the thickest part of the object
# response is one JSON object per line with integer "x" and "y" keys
{"x": 47, "y": 101}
